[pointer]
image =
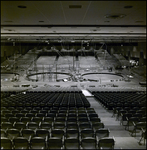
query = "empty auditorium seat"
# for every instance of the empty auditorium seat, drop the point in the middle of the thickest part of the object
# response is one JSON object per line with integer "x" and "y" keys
{"x": 87, "y": 132}
{"x": 43, "y": 133}
{"x": 28, "y": 133}
{"x": 46, "y": 125}
{"x": 6, "y": 143}
{"x": 55, "y": 143}
{"x": 37, "y": 143}
{"x": 101, "y": 133}
{"x": 72, "y": 125}
{"x": 72, "y": 143}
{"x": 138, "y": 126}
{"x": 106, "y": 143}
{"x": 14, "y": 119}
{"x": 143, "y": 136}
{"x": 89, "y": 143}
{"x": 32, "y": 125}
{"x": 3, "y": 133}
{"x": 58, "y": 133}
{"x": 131, "y": 121}
{"x": 20, "y": 143}
{"x": 6, "y": 125}
{"x": 25, "y": 119}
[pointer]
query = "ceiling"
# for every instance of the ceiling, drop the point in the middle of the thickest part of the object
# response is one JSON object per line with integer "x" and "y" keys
{"x": 73, "y": 20}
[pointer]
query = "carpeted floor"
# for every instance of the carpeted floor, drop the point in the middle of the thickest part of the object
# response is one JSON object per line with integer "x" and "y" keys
{"x": 123, "y": 139}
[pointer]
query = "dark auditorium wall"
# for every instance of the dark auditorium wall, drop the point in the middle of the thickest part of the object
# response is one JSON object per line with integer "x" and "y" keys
{"x": 134, "y": 49}
{"x": 9, "y": 50}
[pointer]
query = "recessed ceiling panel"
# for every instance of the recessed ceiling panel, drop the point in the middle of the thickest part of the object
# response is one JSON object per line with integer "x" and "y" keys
{"x": 98, "y": 17}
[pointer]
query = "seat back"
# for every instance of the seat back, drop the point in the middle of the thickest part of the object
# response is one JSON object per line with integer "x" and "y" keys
{"x": 140, "y": 125}
{"x": 3, "y": 133}
{"x": 46, "y": 125}
{"x": 28, "y": 133}
{"x": 20, "y": 143}
{"x": 57, "y": 133}
{"x": 55, "y": 143}
{"x": 6, "y": 143}
{"x": 6, "y": 125}
{"x": 4, "y": 119}
{"x": 72, "y": 119}
{"x": 72, "y": 133}
{"x": 42, "y": 133}
{"x": 84, "y": 125}
{"x": 88, "y": 143}
{"x": 101, "y": 133}
{"x": 72, "y": 143}
{"x": 14, "y": 119}
{"x": 59, "y": 125}
{"x": 32, "y": 125}
{"x": 83, "y": 119}
{"x": 12, "y": 133}
{"x": 95, "y": 119}
{"x": 72, "y": 114}
{"x": 106, "y": 143}
{"x": 93, "y": 115}
{"x": 37, "y": 119}
{"x": 25, "y": 119}
{"x": 37, "y": 143}
{"x": 19, "y": 125}
{"x": 72, "y": 125}
{"x": 97, "y": 125}
{"x": 87, "y": 133}
{"x": 60, "y": 119}
{"x": 82, "y": 114}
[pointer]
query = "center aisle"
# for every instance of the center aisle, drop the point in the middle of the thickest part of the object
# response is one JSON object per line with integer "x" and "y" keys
{"x": 122, "y": 137}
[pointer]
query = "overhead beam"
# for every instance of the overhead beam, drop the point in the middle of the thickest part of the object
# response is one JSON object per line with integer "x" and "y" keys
{"x": 71, "y": 25}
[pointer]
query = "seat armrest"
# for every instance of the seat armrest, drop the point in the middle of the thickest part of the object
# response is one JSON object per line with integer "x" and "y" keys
{"x": 63, "y": 147}
{"x": 121, "y": 114}
{"x": 134, "y": 124}
{"x": 81, "y": 147}
{"x": 127, "y": 118}
{"x": 143, "y": 131}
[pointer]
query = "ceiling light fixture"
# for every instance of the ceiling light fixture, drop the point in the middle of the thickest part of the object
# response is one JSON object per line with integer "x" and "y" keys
{"x": 128, "y": 6}
{"x": 9, "y": 30}
{"x": 22, "y": 6}
{"x": 75, "y": 6}
{"x": 115, "y": 16}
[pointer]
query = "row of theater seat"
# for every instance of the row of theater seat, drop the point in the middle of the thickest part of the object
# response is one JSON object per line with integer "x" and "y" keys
{"x": 46, "y": 99}
{"x": 128, "y": 99}
{"x": 76, "y": 115}
{"x": 128, "y": 107}
{"x": 56, "y": 89}
{"x": 49, "y": 127}
{"x": 5, "y": 94}
{"x": 57, "y": 143}
{"x": 60, "y": 133}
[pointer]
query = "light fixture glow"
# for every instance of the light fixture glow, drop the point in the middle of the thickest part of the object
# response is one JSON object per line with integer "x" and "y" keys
{"x": 115, "y": 16}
